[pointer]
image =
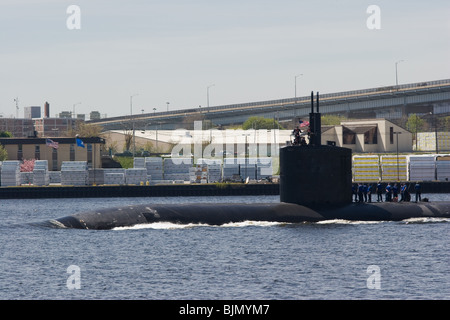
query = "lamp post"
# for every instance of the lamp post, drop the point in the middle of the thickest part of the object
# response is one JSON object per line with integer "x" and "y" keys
{"x": 435, "y": 133}
{"x": 246, "y": 154}
{"x": 396, "y": 72}
{"x": 398, "y": 169}
{"x": 416, "y": 125}
{"x": 207, "y": 94}
{"x": 295, "y": 80}
{"x": 131, "y": 102}
{"x": 132, "y": 121}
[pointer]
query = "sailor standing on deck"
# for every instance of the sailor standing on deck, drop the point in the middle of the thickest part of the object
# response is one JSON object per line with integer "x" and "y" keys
{"x": 395, "y": 191}
{"x": 418, "y": 188}
{"x": 379, "y": 192}
{"x": 402, "y": 192}
{"x": 360, "y": 193}
{"x": 369, "y": 192}
{"x": 388, "y": 193}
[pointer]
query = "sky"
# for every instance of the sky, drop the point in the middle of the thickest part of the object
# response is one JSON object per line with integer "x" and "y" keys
{"x": 242, "y": 51}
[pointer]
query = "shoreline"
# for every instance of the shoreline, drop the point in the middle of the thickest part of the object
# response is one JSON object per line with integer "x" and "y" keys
{"x": 169, "y": 190}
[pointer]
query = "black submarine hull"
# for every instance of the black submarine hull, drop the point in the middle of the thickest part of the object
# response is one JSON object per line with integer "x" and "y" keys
{"x": 218, "y": 214}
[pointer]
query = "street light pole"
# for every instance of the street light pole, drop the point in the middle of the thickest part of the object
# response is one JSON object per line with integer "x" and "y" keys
{"x": 246, "y": 155}
{"x": 207, "y": 94}
{"x": 396, "y": 72}
{"x": 436, "y": 133}
{"x": 132, "y": 121}
{"x": 417, "y": 123}
{"x": 131, "y": 102}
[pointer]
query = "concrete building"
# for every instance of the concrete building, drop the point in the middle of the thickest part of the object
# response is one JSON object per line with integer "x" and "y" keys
{"x": 53, "y": 127}
{"x": 32, "y": 112}
{"x": 213, "y": 142}
{"x": 373, "y": 135}
{"x": 94, "y": 115}
{"x": 67, "y": 150}
{"x": 18, "y": 127}
{"x": 65, "y": 114}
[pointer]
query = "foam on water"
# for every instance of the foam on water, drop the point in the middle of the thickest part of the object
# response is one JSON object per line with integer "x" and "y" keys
{"x": 406, "y": 221}
{"x": 171, "y": 225}
{"x": 160, "y": 226}
{"x": 342, "y": 221}
{"x": 426, "y": 220}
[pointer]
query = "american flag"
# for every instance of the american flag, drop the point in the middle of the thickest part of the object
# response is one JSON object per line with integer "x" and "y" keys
{"x": 52, "y": 143}
{"x": 304, "y": 123}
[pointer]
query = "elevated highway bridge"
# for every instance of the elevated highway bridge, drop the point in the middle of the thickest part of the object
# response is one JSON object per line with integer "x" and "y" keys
{"x": 390, "y": 102}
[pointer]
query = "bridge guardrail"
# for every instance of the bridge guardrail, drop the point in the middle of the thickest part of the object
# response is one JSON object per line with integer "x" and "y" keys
{"x": 354, "y": 94}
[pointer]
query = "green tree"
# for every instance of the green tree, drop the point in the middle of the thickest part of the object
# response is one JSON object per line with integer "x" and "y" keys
{"x": 5, "y": 134}
{"x": 331, "y": 119}
{"x": 415, "y": 123}
{"x": 3, "y": 153}
{"x": 444, "y": 124}
{"x": 83, "y": 129}
{"x": 261, "y": 123}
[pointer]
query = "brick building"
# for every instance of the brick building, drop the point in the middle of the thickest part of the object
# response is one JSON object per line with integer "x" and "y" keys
{"x": 67, "y": 150}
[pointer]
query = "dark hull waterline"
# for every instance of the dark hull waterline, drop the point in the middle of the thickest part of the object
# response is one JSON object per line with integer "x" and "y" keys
{"x": 218, "y": 214}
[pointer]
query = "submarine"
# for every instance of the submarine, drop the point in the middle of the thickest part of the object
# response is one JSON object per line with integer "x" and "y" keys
{"x": 304, "y": 171}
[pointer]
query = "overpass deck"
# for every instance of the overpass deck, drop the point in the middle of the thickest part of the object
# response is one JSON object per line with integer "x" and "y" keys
{"x": 382, "y": 97}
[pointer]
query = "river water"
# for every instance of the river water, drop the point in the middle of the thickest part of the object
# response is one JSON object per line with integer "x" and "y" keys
{"x": 276, "y": 261}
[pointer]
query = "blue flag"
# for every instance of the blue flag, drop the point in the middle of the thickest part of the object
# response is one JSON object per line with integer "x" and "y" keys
{"x": 80, "y": 143}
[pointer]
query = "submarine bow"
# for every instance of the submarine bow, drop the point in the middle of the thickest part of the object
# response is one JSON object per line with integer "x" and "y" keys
{"x": 219, "y": 214}
{"x": 213, "y": 214}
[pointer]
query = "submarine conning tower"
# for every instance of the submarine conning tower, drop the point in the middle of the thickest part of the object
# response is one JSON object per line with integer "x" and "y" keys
{"x": 315, "y": 174}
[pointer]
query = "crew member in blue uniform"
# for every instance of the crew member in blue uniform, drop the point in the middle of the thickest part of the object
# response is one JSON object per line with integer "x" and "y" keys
{"x": 395, "y": 192}
{"x": 379, "y": 192}
{"x": 418, "y": 189}
{"x": 402, "y": 192}
{"x": 388, "y": 193}
{"x": 369, "y": 192}
{"x": 360, "y": 193}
